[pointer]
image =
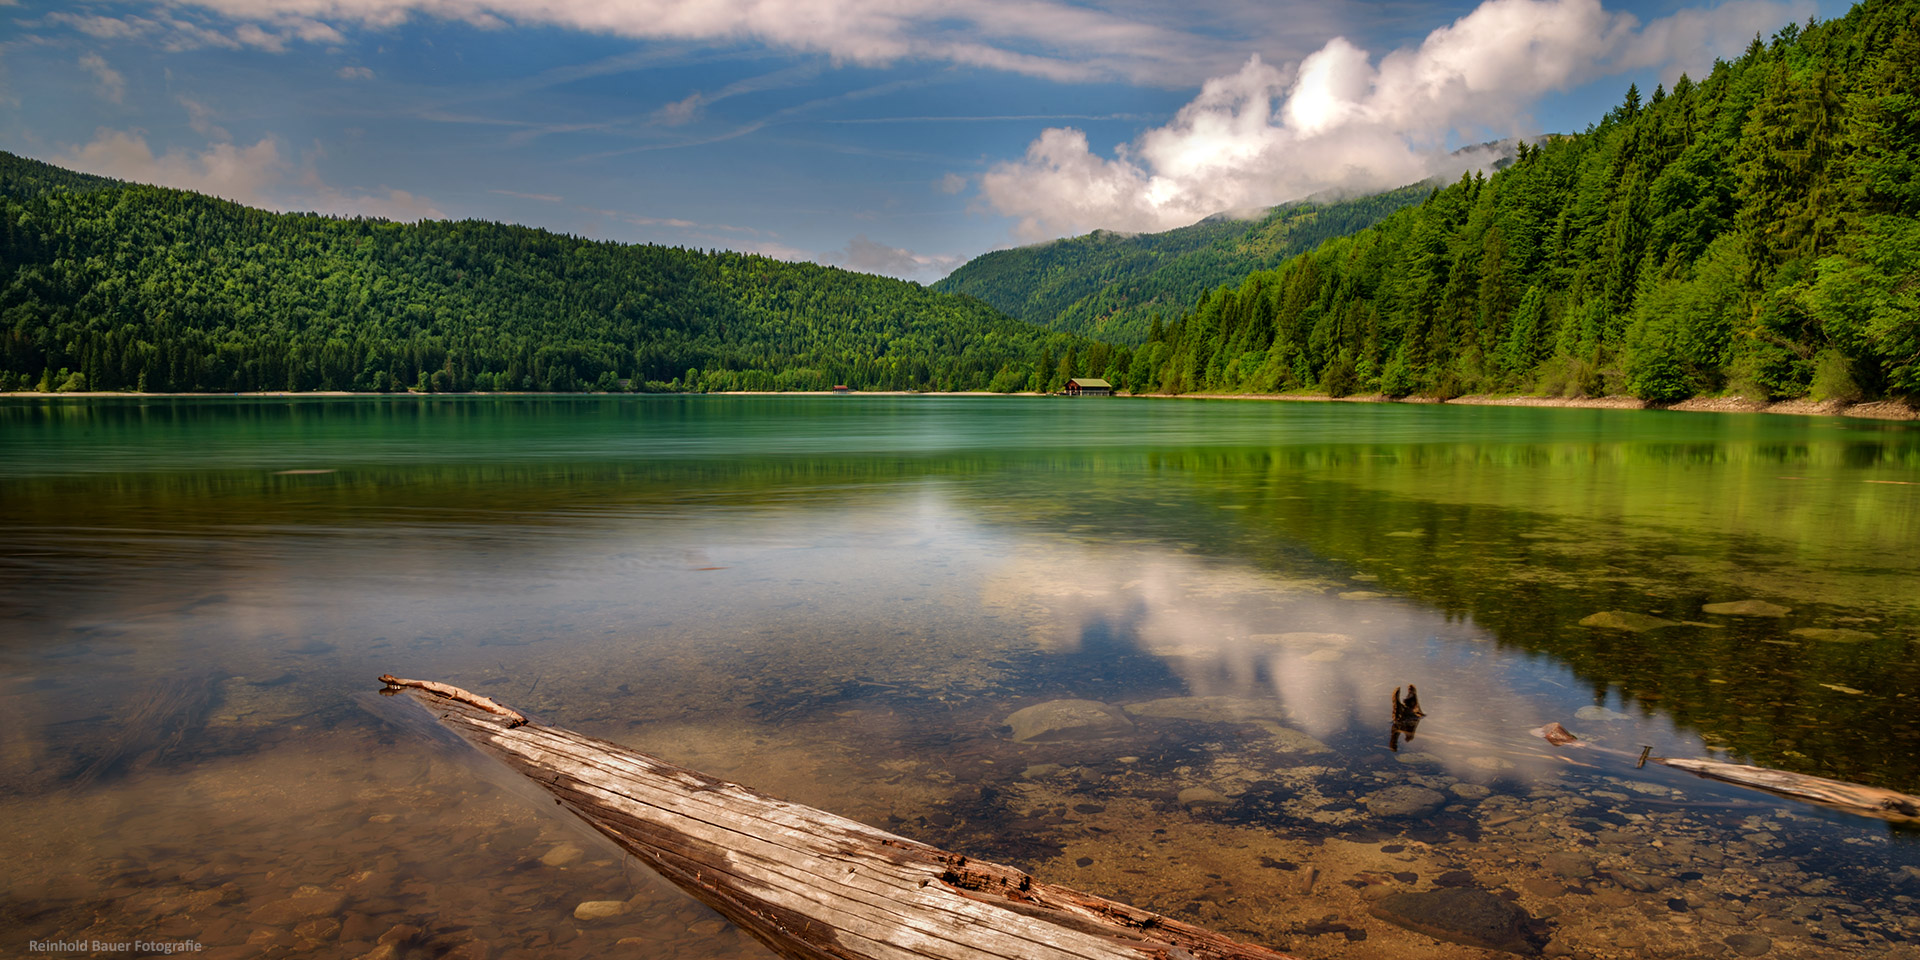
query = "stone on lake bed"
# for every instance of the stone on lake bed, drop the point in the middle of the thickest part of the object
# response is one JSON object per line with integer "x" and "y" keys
{"x": 1198, "y": 796}
{"x": 1068, "y": 720}
{"x": 1834, "y": 634}
{"x": 1625, "y": 620}
{"x": 1404, "y": 801}
{"x": 600, "y": 909}
{"x": 1749, "y": 944}
{"x": 1600, "y": 713}
{"x": 1572, "y": 866}
{"x": 1462, "y": 915}
{"x": 1289, "y": 740}
{"x": 1747, "y": 608}
{"x": 306, "y": 903}
{"x": 563, "y": 854}
{"x": 1208, "y": 709}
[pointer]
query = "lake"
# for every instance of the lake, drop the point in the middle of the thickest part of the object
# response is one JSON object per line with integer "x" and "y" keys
{"x": 842, "y": 600}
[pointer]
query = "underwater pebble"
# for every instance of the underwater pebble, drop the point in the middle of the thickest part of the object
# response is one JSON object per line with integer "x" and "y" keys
{"x": 563, "y": 854}
{"x": 600, "y": 909}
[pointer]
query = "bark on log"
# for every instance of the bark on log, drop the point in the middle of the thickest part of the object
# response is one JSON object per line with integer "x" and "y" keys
{"x": 809, "y": 884}
{"x": 1852, "y": 797}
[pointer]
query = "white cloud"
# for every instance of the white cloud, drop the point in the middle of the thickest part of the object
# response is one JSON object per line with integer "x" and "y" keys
{"x": 1341, "y": 122}
{"x": 355, "y": 73}
{"x": 257, "y": 175}
{"x": 950, "y": 184}
{"x": 1047, "y": 38}
{"x": 866, "y": 256}
{"x": 241, "y": 174}
{"x": 111, "y": 86}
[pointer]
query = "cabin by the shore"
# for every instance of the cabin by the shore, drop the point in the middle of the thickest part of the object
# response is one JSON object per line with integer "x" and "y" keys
{"x": 1088, "y": 387}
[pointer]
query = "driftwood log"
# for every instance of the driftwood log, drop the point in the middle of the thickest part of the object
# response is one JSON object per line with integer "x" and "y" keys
{"x": 809, "y": 884}
{"x": 1851, "y": 797}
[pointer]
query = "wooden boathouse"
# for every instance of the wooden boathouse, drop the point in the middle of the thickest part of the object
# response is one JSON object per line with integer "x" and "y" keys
{"x": 1088, "y": 387}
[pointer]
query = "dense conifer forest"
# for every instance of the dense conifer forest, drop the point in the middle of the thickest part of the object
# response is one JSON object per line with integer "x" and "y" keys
{"x": 113, "y": 286}
{"x": 1112, "y": 286}
{"x": 1755, "y": 231}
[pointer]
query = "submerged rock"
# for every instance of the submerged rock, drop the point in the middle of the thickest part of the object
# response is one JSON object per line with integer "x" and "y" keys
{"x": 1572, "y": 866}
{"x": 306, "y": 902}
{"x": 563, "y": 854}
{"x": 1068, "y": 720}
{"x": 1625, "y": 620}
{"x": 1208, "y": 709}
{"x": 600, "y": 909}
{"x": 1461, "y": 915}
{"x": 1404, "y": 801}
{"x": 1834, "y": 634}
{"x": 1289, "y": 740}
{"x": 1198, "y": 796}
{"x": 1600, "y": 713}
{"x": 1747, "y": 608}
{"x": 1749, "y": 944}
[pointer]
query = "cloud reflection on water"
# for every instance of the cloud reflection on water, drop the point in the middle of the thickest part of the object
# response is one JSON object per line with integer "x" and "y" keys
{"x": 1327, "y": 653}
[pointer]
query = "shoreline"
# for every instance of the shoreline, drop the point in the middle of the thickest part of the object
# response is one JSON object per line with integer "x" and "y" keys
{"x": 1885, "y": 410}
{"x": 1891, "y": 410}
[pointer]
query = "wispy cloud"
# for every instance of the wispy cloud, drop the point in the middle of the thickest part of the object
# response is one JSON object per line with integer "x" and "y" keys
{"x": 200, "y": 119}
{"x": 542, "y": 197}
{"x": 1342, "y": 121}
{"x": 271, "y": 32}
{"x": 354, "y": 73}
{"x": 108, "y": 82}
{"x": 1005, "y": 118}
{"x": 1053, "y": 39}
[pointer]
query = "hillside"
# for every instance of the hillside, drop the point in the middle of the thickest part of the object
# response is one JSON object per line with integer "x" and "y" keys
{"x": 1754, "y": 232}
{"x": 113, "y": 286}
{"x": 1111, "y": 286}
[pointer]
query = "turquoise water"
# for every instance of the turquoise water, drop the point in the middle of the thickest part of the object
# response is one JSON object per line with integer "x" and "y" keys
{"x": 841, "y": 600}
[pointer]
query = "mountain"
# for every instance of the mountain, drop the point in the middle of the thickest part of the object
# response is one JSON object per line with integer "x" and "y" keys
{"x": 1111, "y": 285}
{"x": 113, "y": 286}
{"x": 1755, "y": 232}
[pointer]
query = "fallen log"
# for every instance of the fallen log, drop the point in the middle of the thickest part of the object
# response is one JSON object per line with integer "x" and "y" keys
{"x": 1851, "y": 797}
{"x": 809, "y": 884}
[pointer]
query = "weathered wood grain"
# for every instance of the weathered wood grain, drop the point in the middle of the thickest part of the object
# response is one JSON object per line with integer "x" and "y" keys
{"x": 1852, "y": 797}
{"x": 810, "y": 884}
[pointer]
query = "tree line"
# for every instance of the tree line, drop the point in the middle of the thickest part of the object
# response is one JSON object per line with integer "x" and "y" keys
{"x": 113, "y": 286}
{"x": 1755, "y": 232}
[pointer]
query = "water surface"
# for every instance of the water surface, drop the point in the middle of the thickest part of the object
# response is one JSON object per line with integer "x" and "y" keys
{"x": 841, "y": 600}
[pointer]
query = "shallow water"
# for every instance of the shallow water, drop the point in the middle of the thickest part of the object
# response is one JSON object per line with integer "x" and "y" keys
{"x": 840, "y": 600}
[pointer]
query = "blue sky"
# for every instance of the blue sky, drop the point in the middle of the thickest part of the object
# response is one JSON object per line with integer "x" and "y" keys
{"x": 893, "y": 136}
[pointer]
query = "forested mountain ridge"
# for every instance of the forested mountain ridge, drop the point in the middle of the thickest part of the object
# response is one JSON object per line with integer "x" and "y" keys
{"x": 113, "y": 286}
{"x": 1112, "y": 285}
{"x": 1757, "y": 231}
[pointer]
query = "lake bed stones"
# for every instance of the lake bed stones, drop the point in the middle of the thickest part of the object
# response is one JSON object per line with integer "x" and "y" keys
{"x": 1068, "y": 720}
{"x": 1404, "y": 802}
{"x": 1463, "y": 915}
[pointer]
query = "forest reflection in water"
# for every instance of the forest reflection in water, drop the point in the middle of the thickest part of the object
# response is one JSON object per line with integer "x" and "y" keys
{"x": 838, "y": 615}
